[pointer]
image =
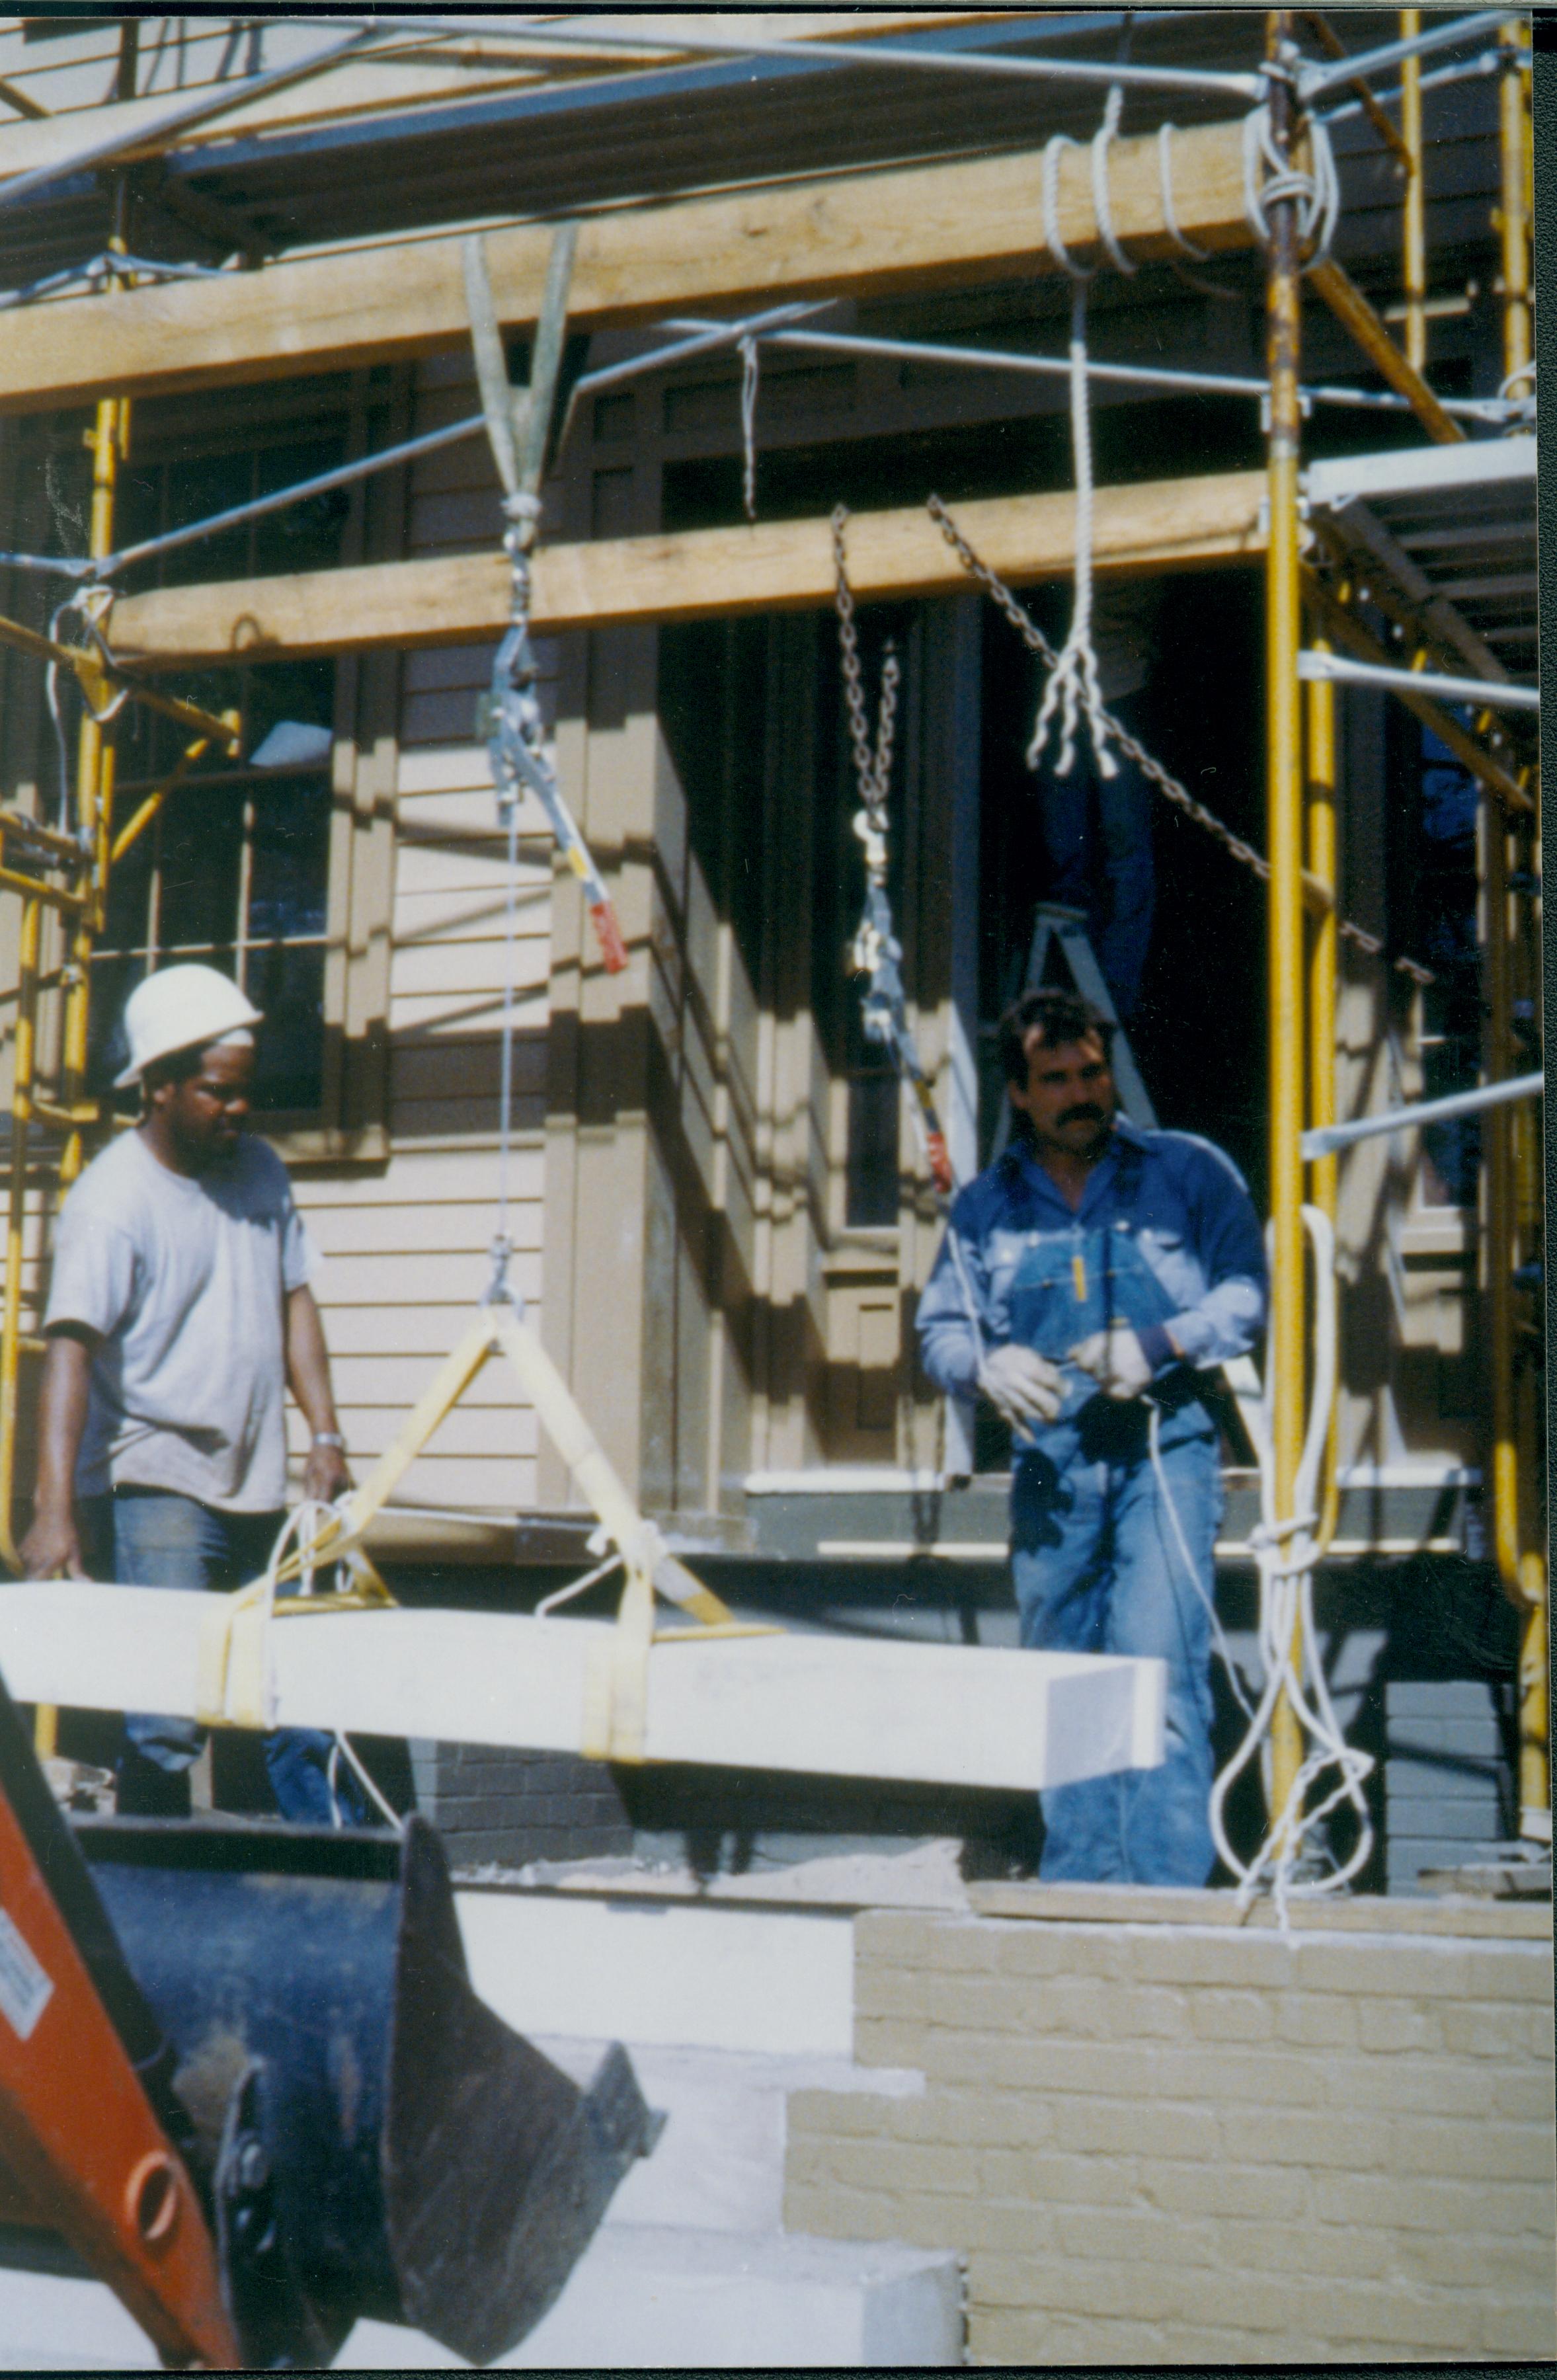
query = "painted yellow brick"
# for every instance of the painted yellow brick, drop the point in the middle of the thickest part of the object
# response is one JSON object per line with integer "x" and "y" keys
{"x": 1223, "y": 2016}
{"x": 888, "y": 2041}
{"x": 1114, "y": 2128}
{"x": 987, "y": 2061}
{"x": 824, "y": 2210}
{"x": 1401, "y": 2201}
{"x": 1044, "y": 2177}
{"x": 1502, "y": 2029}
{"x": 1006, "y": 2337}
{"x": 1503, "y": 2152}
{"x": 1218, "y": 1957}
{"x": 1274, "y": 2193}
{"x": 891, "y": 1991}
{"x": 897, "y": 1937}
{"x": 1509, "y": 2270}
{"x": 1421, "y": 2085}
{"x": 1135, "y": 2235}
{"x": 996, "y": 2118}
{"x": 1446, "y": 1970}
{"x": 1396, "y": 2024}
{"x": 1316, "y": 2020}
{"x": 986, "y": 2003}
{"x": 1142, "y": 2012}
{"x": 1274, "y": 2078}
{"x": 1076, "y": 2008}
{"x": 832, "y": 2115}
{"x": 1305, "y": 2137}
{"x": 1007, "y": 2229}
{"x": 1096, "y": 1951}
{"x": 1213, "y": 2298}
{"x": 1517, "y": 2330}
{"x": 1356, "y": 2252}
{"x": 1071, "y": 2285}
{"x": 903, "y": 2165}
{"x": 1376, "y": 2315}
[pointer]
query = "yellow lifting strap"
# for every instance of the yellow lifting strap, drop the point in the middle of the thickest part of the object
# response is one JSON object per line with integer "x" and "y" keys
{"x": 234, "y": 1670}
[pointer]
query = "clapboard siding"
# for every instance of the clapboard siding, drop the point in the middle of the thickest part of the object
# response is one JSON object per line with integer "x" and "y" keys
{"x": 405, "y": 1249}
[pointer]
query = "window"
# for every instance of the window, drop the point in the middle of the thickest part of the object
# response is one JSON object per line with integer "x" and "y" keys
{"x": 257, "y": 871}
{"x": 232, "y": 864}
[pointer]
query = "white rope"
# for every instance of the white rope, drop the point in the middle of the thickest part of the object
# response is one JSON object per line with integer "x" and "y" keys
{"x": 555, "y": 1602}
{"x": 750, "y": 368}
{"x": 1285, "y": 1550}
{"x": 1187, "y": 1561}
{"x": 1100, "y": 204}
{"x": 343, "y": 1744}
{"x": 1318, "y": 191}
{"x": 1165, "y": 180}
{"x": 1072, "y": 685}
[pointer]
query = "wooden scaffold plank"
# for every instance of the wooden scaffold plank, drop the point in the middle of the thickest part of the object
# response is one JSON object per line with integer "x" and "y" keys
{"x": 859, "y": 236}
{"x": 781, "y": 566}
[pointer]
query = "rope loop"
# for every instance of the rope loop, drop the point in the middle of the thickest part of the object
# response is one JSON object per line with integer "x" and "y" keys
{"x": 1316, "y": 189}
{"x": 1052, "y": 150}
{"x": 751, "y": 368}
{"x": 1101, "y": 205}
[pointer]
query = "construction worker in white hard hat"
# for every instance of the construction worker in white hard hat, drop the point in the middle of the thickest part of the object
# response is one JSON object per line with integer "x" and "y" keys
{"x": 179, "y": 1312}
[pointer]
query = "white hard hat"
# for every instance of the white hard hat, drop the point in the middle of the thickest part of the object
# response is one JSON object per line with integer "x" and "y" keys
{"x": 181, "y": 1008}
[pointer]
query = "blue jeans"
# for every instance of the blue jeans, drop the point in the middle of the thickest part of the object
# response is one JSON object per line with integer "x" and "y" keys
{"x": 166, "y": 1540}
{"x": 1097, "y": 1570}
{"x": 1116, "y": 885}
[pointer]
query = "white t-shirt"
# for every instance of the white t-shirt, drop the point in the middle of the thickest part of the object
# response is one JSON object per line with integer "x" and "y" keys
{"x": 185, "y": 1281}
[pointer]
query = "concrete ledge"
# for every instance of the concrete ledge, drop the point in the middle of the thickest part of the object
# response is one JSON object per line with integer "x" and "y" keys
{"x": 698, "y": 1976}
{"x": 1126, "y": 1904}
{"x": 646, "y": 2297}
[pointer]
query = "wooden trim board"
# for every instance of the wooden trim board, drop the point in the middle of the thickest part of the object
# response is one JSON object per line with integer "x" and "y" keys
{"x": 863, "y": 234}
{"x": 827, "y": 1706}
{"x": 782, "y": 566}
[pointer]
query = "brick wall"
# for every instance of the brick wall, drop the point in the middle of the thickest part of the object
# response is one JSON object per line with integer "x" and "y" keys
{"x": 489, "y": 1803}
{"x": 1186, "y": 2142}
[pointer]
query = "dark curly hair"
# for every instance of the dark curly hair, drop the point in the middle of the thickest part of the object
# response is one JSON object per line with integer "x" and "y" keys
{"x": 1058, "y": 1017}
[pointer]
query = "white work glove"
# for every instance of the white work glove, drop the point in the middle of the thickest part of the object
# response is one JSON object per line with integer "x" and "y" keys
{"x": 1115, "y": 1359}
{"x": 1021, "y": 1386}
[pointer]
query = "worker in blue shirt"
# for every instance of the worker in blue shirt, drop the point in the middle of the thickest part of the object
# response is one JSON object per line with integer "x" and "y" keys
{"x": 1089, "y": 1282}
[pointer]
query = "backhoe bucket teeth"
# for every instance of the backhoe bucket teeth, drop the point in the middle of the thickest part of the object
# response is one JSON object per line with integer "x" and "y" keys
{"x": 376, "y": 2141}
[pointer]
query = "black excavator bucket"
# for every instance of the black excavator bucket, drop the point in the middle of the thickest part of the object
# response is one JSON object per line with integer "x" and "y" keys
{"x": 372, "y": 2139}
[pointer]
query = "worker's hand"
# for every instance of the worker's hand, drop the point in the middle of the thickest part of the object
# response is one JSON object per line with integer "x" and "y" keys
{"x": 1115, "y": 1359}
{"x": 325, "y": 1474}
{"x": 1021, "y": 1385}
{"x": 52, "y": 1547}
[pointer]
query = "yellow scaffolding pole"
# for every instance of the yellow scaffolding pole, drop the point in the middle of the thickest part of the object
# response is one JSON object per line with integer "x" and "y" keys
{"x": 1512, "y": 1193}
{"x": 1285, "y": 847}
{"x": 1322, "y": 949}
{"x": 1414, "y": 225}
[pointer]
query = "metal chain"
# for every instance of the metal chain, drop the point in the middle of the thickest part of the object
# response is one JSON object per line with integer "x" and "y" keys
{"x": 876, "y": 951}
{"x": 1152, "y": 769}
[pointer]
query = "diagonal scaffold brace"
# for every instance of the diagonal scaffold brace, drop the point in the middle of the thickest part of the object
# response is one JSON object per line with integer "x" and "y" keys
{"x": 519, "y": 424}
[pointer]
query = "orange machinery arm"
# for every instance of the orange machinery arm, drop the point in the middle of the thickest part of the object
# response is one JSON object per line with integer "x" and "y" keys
{"x": 79, "y": 2132}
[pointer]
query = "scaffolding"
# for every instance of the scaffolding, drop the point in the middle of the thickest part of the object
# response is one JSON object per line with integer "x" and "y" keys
{"x": 1347, "y": 547}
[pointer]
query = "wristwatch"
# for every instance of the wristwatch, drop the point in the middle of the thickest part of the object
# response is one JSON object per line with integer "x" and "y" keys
{"x": 329, "y": 1437}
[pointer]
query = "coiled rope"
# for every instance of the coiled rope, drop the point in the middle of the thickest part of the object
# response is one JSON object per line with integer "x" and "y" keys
{"x": 1286, "y": 1551}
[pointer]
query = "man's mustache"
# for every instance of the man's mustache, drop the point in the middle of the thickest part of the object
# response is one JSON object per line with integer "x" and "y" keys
{"x": 1087, "y": 1113}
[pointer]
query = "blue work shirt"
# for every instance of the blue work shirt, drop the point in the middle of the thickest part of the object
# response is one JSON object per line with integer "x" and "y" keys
{"x": 1165, "y": 1239}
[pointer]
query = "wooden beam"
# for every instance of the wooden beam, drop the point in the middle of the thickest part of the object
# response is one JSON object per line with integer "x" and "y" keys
{"x": 782, "y": 566}
{"x": 922, "y": 227}
{"x": 829, "y": 1705}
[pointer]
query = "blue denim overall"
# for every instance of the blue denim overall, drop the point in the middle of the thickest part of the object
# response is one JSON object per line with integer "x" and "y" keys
{"x": 1096, "y": 1564}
